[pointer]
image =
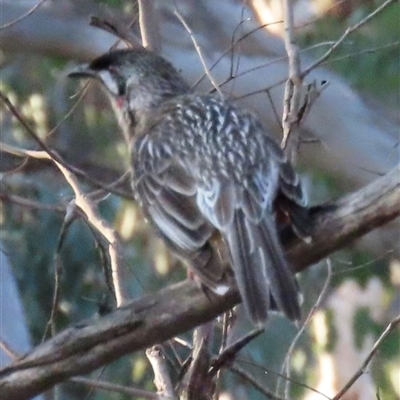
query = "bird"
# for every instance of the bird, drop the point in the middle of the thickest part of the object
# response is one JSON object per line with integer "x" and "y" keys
{"x": 209, "y": 178}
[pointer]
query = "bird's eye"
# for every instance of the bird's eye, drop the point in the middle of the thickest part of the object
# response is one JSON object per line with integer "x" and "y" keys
{"x": 115, "y": 74}
{"x": 121, "y": 88}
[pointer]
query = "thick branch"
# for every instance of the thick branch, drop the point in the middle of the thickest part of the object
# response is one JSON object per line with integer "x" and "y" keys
{"x": 176, "y": 309}
{"x": 337, "y": 224}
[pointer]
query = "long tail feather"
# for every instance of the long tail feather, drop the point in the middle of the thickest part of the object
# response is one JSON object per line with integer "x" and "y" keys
{"x": 260, "y": 268}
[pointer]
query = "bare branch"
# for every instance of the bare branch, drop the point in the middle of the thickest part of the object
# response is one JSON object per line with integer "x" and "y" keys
{"x": 117, "y": 29}
{"x": 149, "y": 26}
{"x": 228, "y": 354}
{"x": 16, "y": 20}
{"x": 81, "y": 201}
{"x": 160, "y": 316}
{"x": 50, "y": 326}
{"x": 231, "y": 49}
{"x": 291, "y": 103}
{"x": 253, "y": 382}
{"x": 162, "y": 379}
{"x": 338, "y": 223}
{"x": 198, "y": 50}
{"x": 107, "y": 231}
{"x": 348, "y": 31}
{"x": 392, "y": 325}
{"x": 6, "y": 348}
{"x": 315, "y": 307}
{"x": 112, "y": 387}
{"x": 27, "y": 203}
{"x": 50, "y": 154}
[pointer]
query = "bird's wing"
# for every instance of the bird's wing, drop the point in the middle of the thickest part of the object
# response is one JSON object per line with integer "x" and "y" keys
{"x": 187, "y": 203}
{"x": 243, "y": 212}
{"x": 167, "y": 192}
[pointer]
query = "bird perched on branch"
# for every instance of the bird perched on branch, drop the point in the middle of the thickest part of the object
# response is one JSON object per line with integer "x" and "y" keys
{"x": 208, "y": 177}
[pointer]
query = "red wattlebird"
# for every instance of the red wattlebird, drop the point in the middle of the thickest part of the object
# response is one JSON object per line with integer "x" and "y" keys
{"x": 208, "y": 176}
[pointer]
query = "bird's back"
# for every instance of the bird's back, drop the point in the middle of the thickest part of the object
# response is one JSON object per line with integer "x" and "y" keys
{"x": 203, "y": 165}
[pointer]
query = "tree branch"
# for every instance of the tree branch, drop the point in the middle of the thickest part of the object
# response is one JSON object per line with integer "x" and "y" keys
{"x": 149, "y": 29}
{"x": 337, "y": 224}
{"x": 348, "y": 31}
{"x": 294, "y": 83}
{"x": 159, "y": 316}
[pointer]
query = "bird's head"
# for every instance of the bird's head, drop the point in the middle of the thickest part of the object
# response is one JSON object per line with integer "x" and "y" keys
{"x": 136, "y": 80}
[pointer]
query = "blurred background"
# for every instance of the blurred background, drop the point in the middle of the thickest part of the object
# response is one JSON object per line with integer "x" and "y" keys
{"x": 351, "y": 137}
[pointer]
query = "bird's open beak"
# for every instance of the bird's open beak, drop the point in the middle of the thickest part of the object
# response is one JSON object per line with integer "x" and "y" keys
{"x": 82, "y": 71}
{"x": 104, "y": 76}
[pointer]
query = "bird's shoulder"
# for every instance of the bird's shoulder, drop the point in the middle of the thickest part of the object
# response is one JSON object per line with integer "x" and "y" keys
{"x": 205, "y": 125}
{"x": 220, "y": 149}
{"x": 214, "y": 140}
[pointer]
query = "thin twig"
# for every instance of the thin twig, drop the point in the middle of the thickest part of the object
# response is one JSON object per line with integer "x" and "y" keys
{"x": 369, "y": 263}
{"x": 321, "y": 15}
{"x": 278, "y": 374}
{"x": 175, "y": 359}
{"x": 198, "y": 50}
{"x": 42, "y": 155}
{"x": 81, "y": 94}
{"x": 31, "y": 204}
{"x": 28, "y": 129}
{"x": 51, "y": 324}
{"x": 112, "y": 387}
{"x": 276, "y": 115}
{"x": 51, "y": 154}
{"x": 232, "y": 46}
{"x": 268, "y": 64}
{"x": 291, "y": 102}
{"x": 20, "y": 18}
{"x": 227, "y": 356}
{"x": 226, "y": 322}
{"x": 183, "y": 342}
{"x": 236, "y": 64}
{"x": 82, "y": 202}
{"x": 252, "y": 381}
{"x": 116, "y": 28}
{"x": 70, "y": 215}
{"x": 149, "y": 25}
{"x": 20, "y": 152}
{"x": 283, "y": 58}
{"x": 230, "y": 50}
{"x": 315, "y": 307}
{"x": 371, "y": 50}
{"x": 392, "y": 325}
{"x": 8, "y": 349}
{"x": 348, "y": 31}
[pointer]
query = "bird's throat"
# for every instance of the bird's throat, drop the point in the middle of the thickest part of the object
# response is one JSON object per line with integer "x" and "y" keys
{"x": 120, "y": 102}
